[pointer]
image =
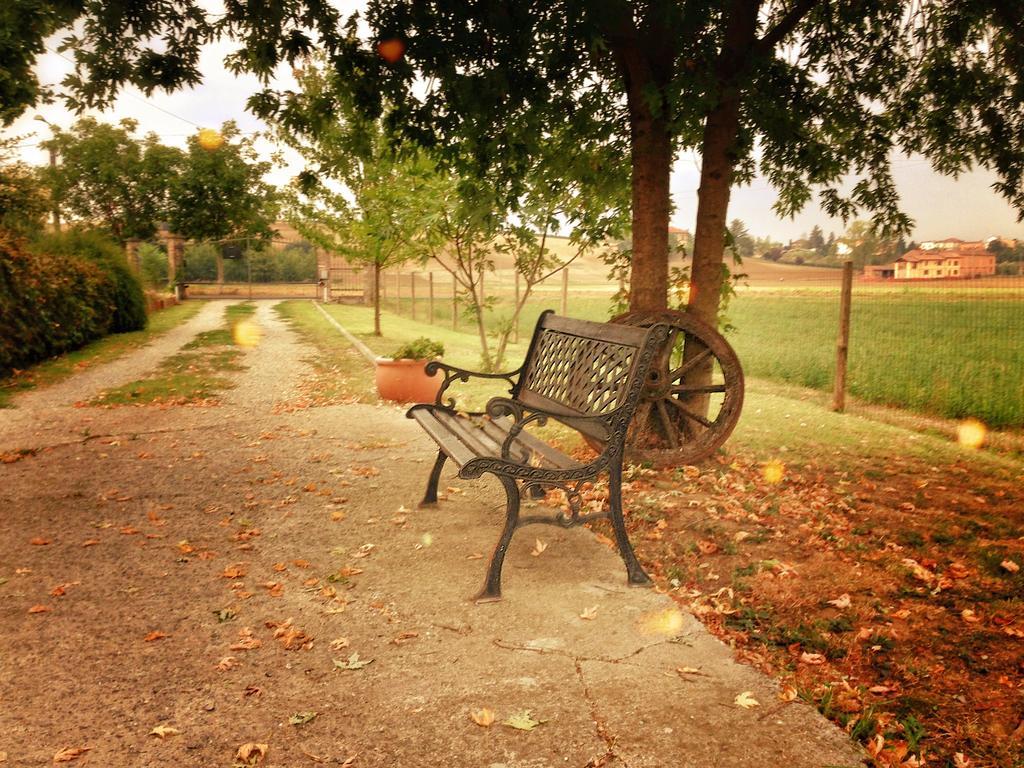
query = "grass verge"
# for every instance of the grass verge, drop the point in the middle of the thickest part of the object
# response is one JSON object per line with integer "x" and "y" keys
{"x": 341, "y": 374}
{"x": 98, "y": 352}
{"x": 192, "y": 376}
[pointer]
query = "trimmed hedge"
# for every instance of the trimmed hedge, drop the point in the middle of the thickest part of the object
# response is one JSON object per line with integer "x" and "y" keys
{"x": 51, "y": 304}
{"x": 130, "y": 301}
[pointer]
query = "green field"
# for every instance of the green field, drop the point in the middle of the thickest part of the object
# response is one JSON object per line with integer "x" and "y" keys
{"x": 949, "y": 356}
{"x": 950, "y": 352}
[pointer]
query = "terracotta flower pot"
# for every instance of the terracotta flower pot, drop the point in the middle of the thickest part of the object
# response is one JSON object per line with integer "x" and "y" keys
{"x": 405, "y": 381}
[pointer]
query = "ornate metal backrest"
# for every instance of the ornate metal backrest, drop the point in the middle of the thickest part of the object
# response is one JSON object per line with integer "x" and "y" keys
{"x": 577, "y": 368}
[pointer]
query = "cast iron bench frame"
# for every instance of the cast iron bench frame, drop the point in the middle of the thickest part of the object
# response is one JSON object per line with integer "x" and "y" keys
{"x": 590, "y": 377}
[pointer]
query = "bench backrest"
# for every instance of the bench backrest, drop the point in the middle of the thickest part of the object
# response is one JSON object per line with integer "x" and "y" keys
{"x": 577, "y": 368}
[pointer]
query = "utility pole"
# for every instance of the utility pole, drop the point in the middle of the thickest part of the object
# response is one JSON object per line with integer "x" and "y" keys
{"x": 52, "y": 148}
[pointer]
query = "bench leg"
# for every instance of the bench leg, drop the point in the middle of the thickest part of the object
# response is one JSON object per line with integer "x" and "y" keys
{"x": 492, "y": 586}
{"x": 430, "y": 497}
{"x": 637, "y": 575}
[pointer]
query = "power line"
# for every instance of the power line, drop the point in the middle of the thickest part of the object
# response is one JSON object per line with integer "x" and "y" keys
{"x": 132, "y": 95}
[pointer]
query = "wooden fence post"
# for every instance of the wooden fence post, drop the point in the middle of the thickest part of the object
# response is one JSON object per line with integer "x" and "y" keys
{"x": 843, "y": 342}
{"x": 565, "y": 291}
{"x": 430, "y": 303}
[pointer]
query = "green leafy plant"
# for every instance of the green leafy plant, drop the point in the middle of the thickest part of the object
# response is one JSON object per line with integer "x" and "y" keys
{"x": 419, "y": 349}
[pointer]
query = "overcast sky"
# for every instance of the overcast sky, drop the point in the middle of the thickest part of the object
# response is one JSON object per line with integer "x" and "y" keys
{"x": 941, "y": 207}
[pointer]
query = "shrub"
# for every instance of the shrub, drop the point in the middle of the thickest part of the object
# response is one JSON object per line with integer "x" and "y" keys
{"x": 420, "y": 349}
{"x": 129, "y": 312}
{"x": 48, "y": 304}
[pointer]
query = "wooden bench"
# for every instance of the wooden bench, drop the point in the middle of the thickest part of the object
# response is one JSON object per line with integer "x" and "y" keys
{"x": 586, "y": 375}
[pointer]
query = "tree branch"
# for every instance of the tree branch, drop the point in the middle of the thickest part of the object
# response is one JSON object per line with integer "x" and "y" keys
{"x": 785, "y": 25}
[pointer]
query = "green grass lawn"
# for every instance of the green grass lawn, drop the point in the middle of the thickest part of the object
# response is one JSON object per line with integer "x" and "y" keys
{"x": 951, "y": 357}
{"x": 953, "y": 351}
{"x": 98, "y": 352}
{"x": 779, "y": 422}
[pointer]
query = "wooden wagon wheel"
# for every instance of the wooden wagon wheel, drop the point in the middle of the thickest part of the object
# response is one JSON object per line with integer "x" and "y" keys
{"x": 693, "y": 396}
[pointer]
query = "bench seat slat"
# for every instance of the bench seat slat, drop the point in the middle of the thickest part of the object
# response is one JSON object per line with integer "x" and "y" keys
{"x": 455, "y": 448}
{"x": 526, "y": 444}
{"x": 464, "y": 438}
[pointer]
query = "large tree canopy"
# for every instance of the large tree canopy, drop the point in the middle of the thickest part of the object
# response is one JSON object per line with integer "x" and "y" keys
{"x": 808, "y": 91}
{"x": 108, "y": 176}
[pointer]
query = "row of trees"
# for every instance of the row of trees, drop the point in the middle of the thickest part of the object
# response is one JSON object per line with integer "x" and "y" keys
{"x": 806, "y": 92}
{"x": 109, "y": 177}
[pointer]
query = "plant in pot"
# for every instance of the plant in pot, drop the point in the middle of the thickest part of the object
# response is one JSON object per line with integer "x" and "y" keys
{"x": 402, "y": 377}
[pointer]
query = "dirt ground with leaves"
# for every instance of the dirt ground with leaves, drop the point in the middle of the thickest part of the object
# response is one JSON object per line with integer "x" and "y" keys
{"x": 891, "y": 597}
{"x": 244, "y": 580}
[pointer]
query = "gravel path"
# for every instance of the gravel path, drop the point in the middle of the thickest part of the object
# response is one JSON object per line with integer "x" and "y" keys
{"x": 51, "y": 409}
{"x": 241, "y": 575}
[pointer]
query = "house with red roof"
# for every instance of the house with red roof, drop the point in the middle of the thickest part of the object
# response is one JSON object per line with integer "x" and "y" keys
{"x": 938, "y": 259}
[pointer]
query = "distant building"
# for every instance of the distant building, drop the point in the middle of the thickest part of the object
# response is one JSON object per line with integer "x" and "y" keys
{"x": 951, "y": 258}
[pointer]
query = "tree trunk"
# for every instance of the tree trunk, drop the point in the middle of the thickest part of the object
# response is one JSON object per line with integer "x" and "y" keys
{"x": 651, "y": 161}
{"x": 376, "y": 299}
{"x": 720, "y": 131}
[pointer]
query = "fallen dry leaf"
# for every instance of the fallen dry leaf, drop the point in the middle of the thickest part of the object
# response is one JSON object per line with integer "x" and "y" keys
{"x": 957, "y": 570}
{"x": 251, "y": 754}
{"x": 787, "y": 693}
{"x": 1010, "y": 566}
{"x": 154, "y": 635}
{"x": 538, "y": 548}
{"x": 234, "y": 571}
{"x": 40, "y": 609}
{"x": 90, "y": 542}
{"x": 403, "y": 637}
{"x": 338, "y": 643}
{"x": 589, "y": 614}
{"x": 483, "y": 717}
{"x": 746, "y": 700}
{"x": 67, "y": 754}
{"x": 969, "y": 616}
{"x": 246, "y": 640}
{"x": 843, "y": 601}
{"x": 522, "y": 721}
{"x": 163, "y": 731}
{"x": 62, "y": 589}
{"x": 811, "y": 658}
{"x": 39, "y": 541}
{"x": 291, "y": 638}
{"x": 275, "y": 588}
{"x": 227, "y": 664}
{"x": 280, "y": 567}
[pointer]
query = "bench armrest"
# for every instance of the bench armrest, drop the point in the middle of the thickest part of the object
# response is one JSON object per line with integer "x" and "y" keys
{"x": 453, "y": 374}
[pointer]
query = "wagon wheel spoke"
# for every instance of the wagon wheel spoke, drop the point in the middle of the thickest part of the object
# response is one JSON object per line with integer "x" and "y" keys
{"x": 690, "y": 364}
{"x": 685, "y": 389}
{"x": 690, "y": 414}
{"x": 670, "y": 429}
{"x": 665, "y": 362}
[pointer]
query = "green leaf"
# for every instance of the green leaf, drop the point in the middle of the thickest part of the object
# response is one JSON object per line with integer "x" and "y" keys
{"x": 523, "y": 721}
{"x": 301, "y": 718}
{"x": 354, "y": 662}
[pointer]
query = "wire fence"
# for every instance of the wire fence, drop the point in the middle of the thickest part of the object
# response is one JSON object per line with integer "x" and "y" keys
{"x": 949, "y": 347}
